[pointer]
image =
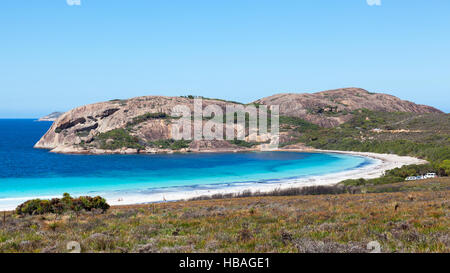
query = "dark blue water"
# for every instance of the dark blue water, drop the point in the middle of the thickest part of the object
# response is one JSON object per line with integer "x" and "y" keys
{"x": 27, "y": 172}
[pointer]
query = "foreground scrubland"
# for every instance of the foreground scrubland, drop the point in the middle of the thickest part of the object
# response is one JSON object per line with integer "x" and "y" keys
{"x": 402, "y": 217}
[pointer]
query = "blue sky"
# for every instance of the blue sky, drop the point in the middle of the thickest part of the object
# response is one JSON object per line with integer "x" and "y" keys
{"x": 55, "y": 57}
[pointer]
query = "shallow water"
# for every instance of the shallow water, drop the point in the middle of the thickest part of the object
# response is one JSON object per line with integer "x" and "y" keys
{"x": 26, "y": 172}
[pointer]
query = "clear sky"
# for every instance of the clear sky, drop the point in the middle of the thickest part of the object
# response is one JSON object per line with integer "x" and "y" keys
{"x": 54, "y": 56}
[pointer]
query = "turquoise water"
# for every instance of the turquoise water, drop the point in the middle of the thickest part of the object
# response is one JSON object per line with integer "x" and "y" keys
{"x": 28, "y": 172}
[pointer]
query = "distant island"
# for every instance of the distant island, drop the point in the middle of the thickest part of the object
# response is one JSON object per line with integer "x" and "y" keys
{"x": 51, "y": 117}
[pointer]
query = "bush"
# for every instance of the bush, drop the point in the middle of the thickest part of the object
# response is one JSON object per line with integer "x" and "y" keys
{"x": 302, "y": 124}
{"x": 170, "y": 144}
{"x": 34, "y": 206}
{"x": 445, "y": 166}
{"x": 310, "y": 190}
{"x": 354, "y": 182}
{"x": 58, "y": 206}
{"x": 410, "y": 170}
{"x": 145, "y": 117}
{"x": 392, "y": 176}
{"x": 116, "y": 139}
{"x": 356, "y": 135}
{"x": 242, "y": 143}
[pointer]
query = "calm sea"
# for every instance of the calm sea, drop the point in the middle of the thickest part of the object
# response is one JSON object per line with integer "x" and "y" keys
{"x": 26, "y": 172}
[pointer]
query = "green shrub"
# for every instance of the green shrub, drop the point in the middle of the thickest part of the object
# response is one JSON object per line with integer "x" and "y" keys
{"x": 410, "y": 170}
{"x": 354, "y": 182}
{"x": 301, "y": 123}
{"x": 117, "y": 139}
{"x": 34, "y": 206}
{"x": 445, "y": 166}
{"x": 392, "y": 176}
{"x": 170, "y": 144}
{"x": 145, "y": 117}
{"x": 242, "y": 143}
{"x": 59, "y": 206}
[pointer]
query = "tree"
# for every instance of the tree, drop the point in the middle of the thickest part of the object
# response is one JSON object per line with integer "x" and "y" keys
{"x": 445, "y": 165}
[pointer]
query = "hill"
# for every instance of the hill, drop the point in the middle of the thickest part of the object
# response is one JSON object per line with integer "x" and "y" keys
{"x": 141, "y": 124}
{"x": 334, "y": 107}
{"x": 144, "y": 124}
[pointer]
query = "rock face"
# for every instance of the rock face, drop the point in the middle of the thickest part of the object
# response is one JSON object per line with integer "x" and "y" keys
{"x": 144, "y": 124}
{"x": 333, "y": 107}
{"x": 145, "y": 119}
{"x": 51, "y": 117}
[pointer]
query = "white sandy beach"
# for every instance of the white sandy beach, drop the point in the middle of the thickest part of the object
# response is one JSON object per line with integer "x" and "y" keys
{"x": 383, "y": 162}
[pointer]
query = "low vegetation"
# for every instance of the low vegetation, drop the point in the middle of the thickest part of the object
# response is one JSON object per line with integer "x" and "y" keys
{"x": 148, "y": 116}
{"x": 59, "y": 206}
{"x": 311, "y": 190}
{"x": 406, "y": 217}
{"x": 205, "y": 98}
{"x": 243, "y": 143}
{"x": 123, "y": 137}
{"x": 341, "y": 188}
{"x": 394, "y": 175}
{"x": 170, "y": 144}
{"x": 300, "y": 124}
{"x": 117, "y": 139}
{"x": 424, "y": 136}
{"x": 381, "y": 132}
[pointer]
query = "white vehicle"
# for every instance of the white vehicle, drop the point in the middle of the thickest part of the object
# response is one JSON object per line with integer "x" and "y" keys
{"x": 410, "y": 178}
{"x": 430, "y": 175}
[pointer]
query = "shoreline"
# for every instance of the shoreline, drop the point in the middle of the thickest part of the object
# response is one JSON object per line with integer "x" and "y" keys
{"x": 383, "y": 162}
{"x": 380, "y": 164}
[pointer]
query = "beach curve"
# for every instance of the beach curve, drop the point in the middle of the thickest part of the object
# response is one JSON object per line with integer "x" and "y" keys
{"x": 381, "y": 163}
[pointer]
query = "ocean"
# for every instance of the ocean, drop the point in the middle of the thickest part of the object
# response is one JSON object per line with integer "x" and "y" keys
{"x": 27, "y": 173}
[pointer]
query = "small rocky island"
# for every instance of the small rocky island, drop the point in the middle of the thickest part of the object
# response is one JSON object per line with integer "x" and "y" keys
{"x": 144, "y": 124}
{"x": 51, "y": 117}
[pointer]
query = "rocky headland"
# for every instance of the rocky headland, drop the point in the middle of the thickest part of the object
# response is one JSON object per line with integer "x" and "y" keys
{"x": 144, "y": 124}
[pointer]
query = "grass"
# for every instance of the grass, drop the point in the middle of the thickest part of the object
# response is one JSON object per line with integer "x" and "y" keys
{"x": 414, "y": 219}
{"x": 438, "y": 184}
{"x": 312, "y": 190}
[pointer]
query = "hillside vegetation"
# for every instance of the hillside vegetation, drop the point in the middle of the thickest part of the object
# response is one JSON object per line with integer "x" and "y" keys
{"x": 425, "y": 136}
{"x": 404, "y": 217}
